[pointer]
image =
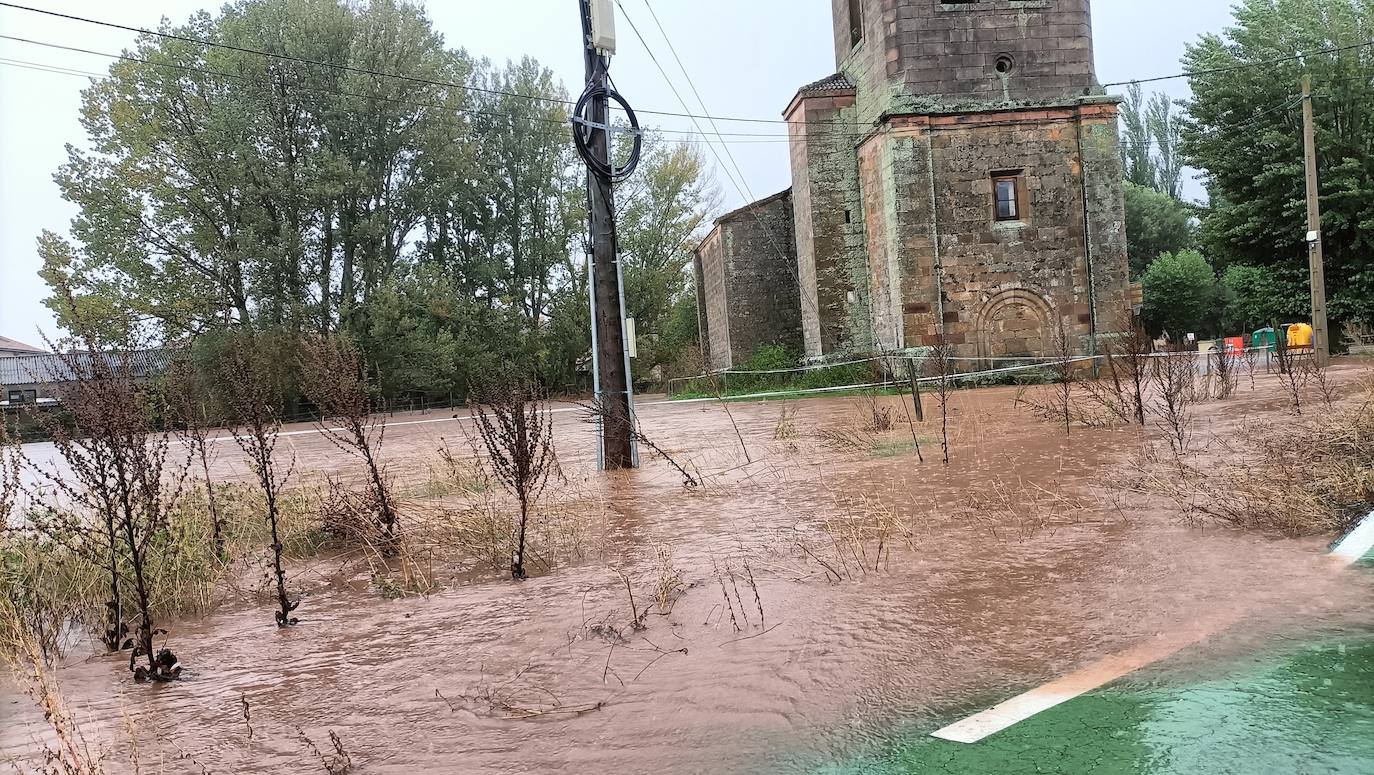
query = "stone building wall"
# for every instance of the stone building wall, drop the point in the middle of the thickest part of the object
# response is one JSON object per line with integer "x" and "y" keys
{"x": 711, "y": 265}
{"x": 829, "y": 222}
{"x": 1107, "y": 233}
{"x": 751, "y": 291}
{"x": 1010, "y": 285}
{"x": 940, "y": 97}
{"x": 917, "y": 55}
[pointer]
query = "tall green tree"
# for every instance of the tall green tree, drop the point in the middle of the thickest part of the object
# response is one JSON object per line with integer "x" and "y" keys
{"x": 365, "y": 178}
{"x": 1155, "y": 223}
{"x": 1138, "y": 161}
{"x": 1244, "y": 128}
{"x": 222, "y": 186}
{"x": 1180, "y": 295}
{"x": 1255, "y": 297}
{"x": 663, "y": 213}
{"x": 1166, "y": 129}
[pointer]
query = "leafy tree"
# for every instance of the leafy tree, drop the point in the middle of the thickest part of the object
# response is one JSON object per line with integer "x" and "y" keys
{"x": 1150, "y": 141}
{"x": 1166, "y": 129}
{"x": 1180, "y": 294}
{"x": 663, "y": 212}
{"x": 1139, "y": 163}
{"x": 441, "y": 228}
{"x": 1255, "y": 297}
{"x": 1244, "y": 127}
{"x": 221, "y": 185}
{"x": 1155, "y": 223}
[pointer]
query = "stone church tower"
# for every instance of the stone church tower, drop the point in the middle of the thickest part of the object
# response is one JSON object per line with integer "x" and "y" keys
{"x": 959, "y": 176}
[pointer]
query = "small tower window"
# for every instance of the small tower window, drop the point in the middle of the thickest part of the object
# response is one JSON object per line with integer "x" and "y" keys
{"x": 1008, "y": 191}
{"x": 856, "y": 22}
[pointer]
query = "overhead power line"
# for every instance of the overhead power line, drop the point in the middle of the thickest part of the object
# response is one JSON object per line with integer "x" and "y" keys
{"x": 743, "y": 190}
{"x": 349, "y": 68}
{"x": 687, "y": 113}
{"x": 1241, "y": 65}
{"x": 768, "y": 137}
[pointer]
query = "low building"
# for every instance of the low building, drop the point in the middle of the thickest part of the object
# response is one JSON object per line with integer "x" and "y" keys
{"x": 10, "y": 347}
{"x": 39, "y": 379}
{"x": 748, "y": 294}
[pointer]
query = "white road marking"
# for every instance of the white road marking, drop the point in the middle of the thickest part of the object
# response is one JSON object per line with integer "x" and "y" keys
{"x": 1356, "y": 543}
{"x": 1021, "y": 707}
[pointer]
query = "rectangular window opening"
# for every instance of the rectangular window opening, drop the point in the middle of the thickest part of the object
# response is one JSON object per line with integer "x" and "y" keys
{"x": 848, "y": 217}
{"x": 856, "y": 22}
{"x": 1008, "y": 193}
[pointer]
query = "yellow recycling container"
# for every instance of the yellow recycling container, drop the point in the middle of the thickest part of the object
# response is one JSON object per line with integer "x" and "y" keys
{"x": 1300, "y": 336}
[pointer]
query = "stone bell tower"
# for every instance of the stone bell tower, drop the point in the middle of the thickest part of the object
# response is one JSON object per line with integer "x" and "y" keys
{"x": 958, "y": 179}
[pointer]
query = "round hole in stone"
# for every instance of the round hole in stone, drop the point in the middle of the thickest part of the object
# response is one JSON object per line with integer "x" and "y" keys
{"x": 1005, "y": 63}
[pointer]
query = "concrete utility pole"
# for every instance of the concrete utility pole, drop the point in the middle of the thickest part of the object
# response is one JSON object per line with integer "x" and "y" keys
{"x": 610, "y": 358}
{"x": 1321, "y": 343}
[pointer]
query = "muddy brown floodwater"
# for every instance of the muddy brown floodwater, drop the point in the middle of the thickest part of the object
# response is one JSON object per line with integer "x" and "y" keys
{"x": 977, "y": 603}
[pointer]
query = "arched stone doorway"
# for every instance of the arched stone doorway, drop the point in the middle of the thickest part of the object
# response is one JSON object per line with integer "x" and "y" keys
{"x": 1015, "y": 323}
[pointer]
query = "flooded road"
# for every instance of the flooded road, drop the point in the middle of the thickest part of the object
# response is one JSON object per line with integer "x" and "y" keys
{"x": 1009, "y": 567}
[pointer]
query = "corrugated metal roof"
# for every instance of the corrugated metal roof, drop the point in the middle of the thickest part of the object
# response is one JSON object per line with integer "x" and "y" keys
{"x": 50, "y": 369}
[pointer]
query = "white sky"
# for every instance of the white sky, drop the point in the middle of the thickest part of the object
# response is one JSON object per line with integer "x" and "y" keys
{"x": 747, "y": 58}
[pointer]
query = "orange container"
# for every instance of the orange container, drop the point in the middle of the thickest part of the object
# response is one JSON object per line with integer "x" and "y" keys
{"x": 1235, "y": 344}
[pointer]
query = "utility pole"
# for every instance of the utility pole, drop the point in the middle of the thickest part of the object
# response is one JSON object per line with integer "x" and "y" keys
{"x": 1321, "y": 343}
{"x": 610, "y": 359}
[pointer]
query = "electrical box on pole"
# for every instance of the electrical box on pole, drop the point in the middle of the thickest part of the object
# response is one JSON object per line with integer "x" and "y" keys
{"x": 603, "y": 26}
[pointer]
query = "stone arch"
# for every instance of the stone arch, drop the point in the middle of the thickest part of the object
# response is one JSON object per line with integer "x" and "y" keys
{"x": 1015, "y": 323}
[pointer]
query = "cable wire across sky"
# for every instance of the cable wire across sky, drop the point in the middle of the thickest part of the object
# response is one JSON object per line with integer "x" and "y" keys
{"x": 687, "y": 113}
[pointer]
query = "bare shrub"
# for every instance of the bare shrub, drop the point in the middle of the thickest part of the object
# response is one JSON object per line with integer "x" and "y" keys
{"x": 857, "y": 540}
{"x": 1172, "y": 379}
{"x": 879, "y": 417}
{"x": 1292, "y": 375}
{"x": 940, "y": 365}
{"x": 1249, "y": 358}
{"x": 11, "y": 464}
{"x": 336, "y": 762}
{"x": 120, "y": 478}
{"x": 517, "y": 433}
{"x": 70, "y": 753}
{"x": 785, "y": 429}
{"x": 1128, "y": 364}
{"x": 669, "y": 584}
{"x": 1295, "y": 478}
{"x": 1003, "y": 507}
{"x": 847, "y": 438}
{"x": 520, "y": 696}
{"x": 735, "y": 605}
{"x": 1065, "y": 375}
{"x": 1226, "y": 369}
{"x": 188, "y": 408}
{"x": 1320, "y": 376}
{"x": 253, "y": 396}
{"x": 334, "y": 379}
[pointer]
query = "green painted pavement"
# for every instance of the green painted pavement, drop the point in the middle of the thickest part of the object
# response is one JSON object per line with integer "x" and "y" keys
{"x": 1309, "y": 712}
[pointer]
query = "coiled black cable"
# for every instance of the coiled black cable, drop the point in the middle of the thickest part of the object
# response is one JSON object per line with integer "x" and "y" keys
{"x": 582, "y": 133}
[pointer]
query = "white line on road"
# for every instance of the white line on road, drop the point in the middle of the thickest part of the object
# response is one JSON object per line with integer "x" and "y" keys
{"x": 1356, "y": 543}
